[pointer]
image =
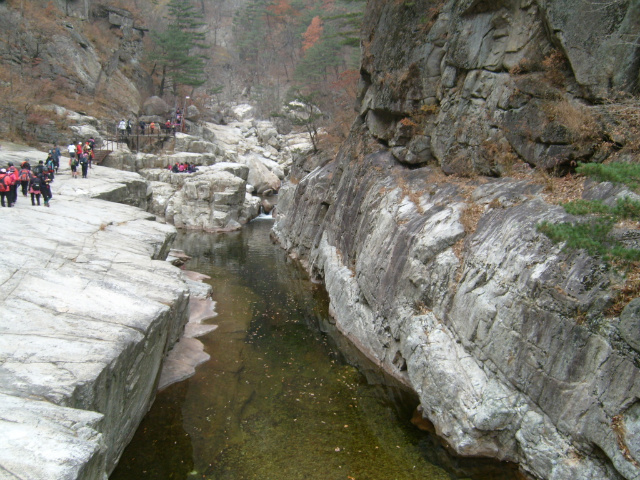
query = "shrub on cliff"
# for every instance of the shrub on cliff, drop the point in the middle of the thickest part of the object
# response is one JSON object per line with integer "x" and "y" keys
{"x": 594, "y": 234}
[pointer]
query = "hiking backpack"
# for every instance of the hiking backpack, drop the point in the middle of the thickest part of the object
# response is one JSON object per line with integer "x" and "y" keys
{"x": 6, "y": 181}
{"x": 36, "y": 183}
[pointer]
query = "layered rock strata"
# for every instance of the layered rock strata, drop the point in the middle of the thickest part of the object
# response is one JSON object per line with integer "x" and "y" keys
{"x": 445, "y": 281}
{"x": 502, "y": 334}
{"x": 89, "y": 311}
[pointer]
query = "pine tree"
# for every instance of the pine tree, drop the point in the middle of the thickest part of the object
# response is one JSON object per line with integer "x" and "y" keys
{"x": 178, "y": 49}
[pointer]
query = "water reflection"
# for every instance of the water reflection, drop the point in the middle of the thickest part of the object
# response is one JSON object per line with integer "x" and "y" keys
{"x": 278, "y": 399}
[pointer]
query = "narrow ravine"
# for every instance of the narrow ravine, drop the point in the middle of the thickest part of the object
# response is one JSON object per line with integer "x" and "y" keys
{"x": 280, "y": 397}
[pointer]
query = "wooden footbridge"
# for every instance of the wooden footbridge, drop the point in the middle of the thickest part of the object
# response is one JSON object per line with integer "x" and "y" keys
{"x": 135, "y": 141}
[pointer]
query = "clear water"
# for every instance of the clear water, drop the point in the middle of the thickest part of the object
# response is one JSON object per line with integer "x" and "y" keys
{"x": 284, "y": 397}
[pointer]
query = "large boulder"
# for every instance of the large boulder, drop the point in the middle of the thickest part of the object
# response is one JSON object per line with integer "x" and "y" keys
{"x": 161, "y": 193}
{"x": 262, "y": 179}
{"x": 267, "y": 133}
{"x": 155, "y": 106}
{"x": 192, "y": 144}
{"x": 192, "y": 113}
{"x": 210, "y": 201}
{"x": 105, "y": 183}
{"x": 243, "y": 112}
{"x": 214, "y": 198}
{"x": 85, "y": 132}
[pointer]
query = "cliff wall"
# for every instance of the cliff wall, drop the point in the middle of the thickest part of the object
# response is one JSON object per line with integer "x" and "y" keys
{"x": 445, "y": 281}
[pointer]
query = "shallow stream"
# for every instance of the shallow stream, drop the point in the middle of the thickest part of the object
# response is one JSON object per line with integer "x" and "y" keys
{"x": 284, "y": 396}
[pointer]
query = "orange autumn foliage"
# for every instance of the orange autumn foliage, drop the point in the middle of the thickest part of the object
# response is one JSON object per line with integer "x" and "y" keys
{"x": 313, "y": 34}
{"x": 281, "y": 8}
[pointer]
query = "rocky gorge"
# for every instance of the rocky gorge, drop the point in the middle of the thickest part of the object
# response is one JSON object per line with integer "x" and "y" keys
{"x": 108, "y": 320}
{"x": 423, "y": 229}
{"x": 446, "y": 281}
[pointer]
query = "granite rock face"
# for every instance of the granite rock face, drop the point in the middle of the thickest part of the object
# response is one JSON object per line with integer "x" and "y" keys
{"x": 471, "y": 85}
{"x": 446, "y": 282}
{"x": 501, "y": 333}
{"x": 105, "y": 183}
{"x": 90, "y": 310}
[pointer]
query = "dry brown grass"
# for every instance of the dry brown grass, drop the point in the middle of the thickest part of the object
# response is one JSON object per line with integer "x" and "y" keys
{"x": 578, "y": 119}
{"x": 46, "y": 19}
{"x": 432, "y": 15}
{"x": 558, "y": 190}
{"x": 525, "y": 65}
{"x": 617, "y": 425}
{"x": 410, "y": 193}
{"x": 104, "y": 40}
{"x": 470, "y": 216}
{"x": 554, "y": 66}
{"x": 499, "y": 153}
{"x": 626, "y": 292}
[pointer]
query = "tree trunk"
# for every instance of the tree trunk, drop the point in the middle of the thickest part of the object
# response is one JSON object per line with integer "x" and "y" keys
{"x": 164, "y": 71}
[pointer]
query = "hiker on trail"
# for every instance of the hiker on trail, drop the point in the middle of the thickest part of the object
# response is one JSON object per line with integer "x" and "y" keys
{"x": 13, "y": 189}
{"x": 39, "y": 169}
{"x": 50, "y": 166}
{"x": 175, "y": 168}
{"x": 5, "y": 187}
{"x": 55, "y": 153}
{"x": 128, "y": 127}
{"x": 88, "y": 150}
{"x": 73, "y": 165}
{"x": 152, "y": 127}
{"x": 45, "y": 189}
{"x": 34, "y": 189}
{"x": 84, "y": 163}
{"x": 142, "y": 126}
{"x": 122, "y": 128}
{"x": 24, "y": 175}
{"x": 79, "y": 150}
{"x": 72, "y": 150}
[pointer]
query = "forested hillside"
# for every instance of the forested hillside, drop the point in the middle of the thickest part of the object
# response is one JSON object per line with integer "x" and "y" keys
{"x": 104, "y": 58}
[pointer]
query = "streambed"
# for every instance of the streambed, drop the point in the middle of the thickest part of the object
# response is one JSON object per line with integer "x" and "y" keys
{"x": 284, "y": 396}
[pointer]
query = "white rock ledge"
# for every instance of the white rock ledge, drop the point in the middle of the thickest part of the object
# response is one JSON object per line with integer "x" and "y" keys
{"x": 88, "y": 312}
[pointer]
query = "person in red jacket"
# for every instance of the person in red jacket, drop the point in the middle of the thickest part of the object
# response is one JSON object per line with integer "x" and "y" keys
{"x": 5, "y": 187}
{"x": 13, "y": 189}
{"x": 25, "y": 175}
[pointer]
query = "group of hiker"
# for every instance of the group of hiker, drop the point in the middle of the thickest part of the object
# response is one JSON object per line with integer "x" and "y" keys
{"x": 125, "y": 127}
{"x": 81, "y": 155}
{"x": 36, "y": 181}
{"x": 182, "y": 167}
